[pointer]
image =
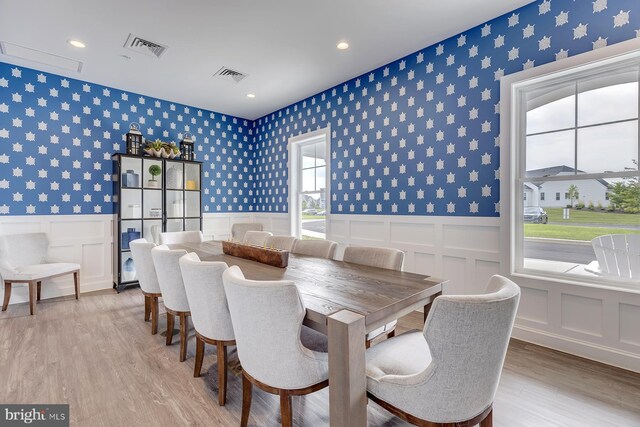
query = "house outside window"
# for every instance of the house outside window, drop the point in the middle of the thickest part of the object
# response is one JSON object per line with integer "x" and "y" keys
{"x": 557, "y": 196}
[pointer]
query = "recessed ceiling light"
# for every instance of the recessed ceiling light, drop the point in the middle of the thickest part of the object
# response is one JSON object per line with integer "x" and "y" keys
{"x": 251, "y": 95}
{"x": 342, "y": 45}
{"x": 77, "y": 43}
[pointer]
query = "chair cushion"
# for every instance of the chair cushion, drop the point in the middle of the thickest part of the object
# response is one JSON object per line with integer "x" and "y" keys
{"x": 381, "y": 330}
{"x": 39, "y": 271}
{"x": 406, "y": 354}
{"x": 314, "y": 340}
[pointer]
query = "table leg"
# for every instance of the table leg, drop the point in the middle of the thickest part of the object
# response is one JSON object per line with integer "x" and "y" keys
{"x": 427, "y": 307}
{"x": 347, "y": 377}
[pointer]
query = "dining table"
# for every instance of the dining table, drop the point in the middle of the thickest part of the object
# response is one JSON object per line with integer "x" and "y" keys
{"x": 345, "y": 301}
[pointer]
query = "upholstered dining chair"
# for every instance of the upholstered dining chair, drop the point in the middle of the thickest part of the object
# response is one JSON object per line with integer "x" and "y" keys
{"x": 240, "y": 228}
{"x": 284, "y": 243}
{"x": 148, "y": 279}
{"x": 24, "y": 259}
{"x": 166, "y": 262}
{"x": 258, "y": 238}
{"x": 448, "y": 373}
{"x": 316, "y": 248}
{"x": 388, "y": 258}
{"x": 209, "y": 313}
{"x": 177, "y": 237}
{"x": 267, "y": 319}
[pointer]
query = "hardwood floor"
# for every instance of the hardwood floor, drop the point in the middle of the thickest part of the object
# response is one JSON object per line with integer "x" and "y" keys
{"x": 99, "y": 356}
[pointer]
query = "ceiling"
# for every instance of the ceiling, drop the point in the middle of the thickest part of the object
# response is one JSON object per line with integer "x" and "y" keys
{"x": 287, "y": 47}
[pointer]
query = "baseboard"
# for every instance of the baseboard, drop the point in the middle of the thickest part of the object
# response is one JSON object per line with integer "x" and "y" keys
{"x": 20, "y": 292}
{"x": 599, "y": 353}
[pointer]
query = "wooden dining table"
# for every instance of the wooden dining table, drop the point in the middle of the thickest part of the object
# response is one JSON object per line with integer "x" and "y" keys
{"x": 345, "y": 301}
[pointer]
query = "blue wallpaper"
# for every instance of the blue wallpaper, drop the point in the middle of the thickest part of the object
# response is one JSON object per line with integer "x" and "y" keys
{"x": 420, "y": 136}
{"x": 57, "y": 136}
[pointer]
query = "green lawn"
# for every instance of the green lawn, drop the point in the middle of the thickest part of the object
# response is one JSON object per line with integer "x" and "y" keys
{"x": 585, "y": 216}
{"x": 312, "y": 216}
{"x": 569, "y": 232}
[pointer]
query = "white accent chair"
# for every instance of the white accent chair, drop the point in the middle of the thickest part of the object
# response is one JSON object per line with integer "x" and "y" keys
{"x": 257, "y": 238}
{"x": 284, "y": 243}
{"x": 240, "y": 228}
{"x": 148, "y": 279}
{"x": 448, "y": 373}
{"x": 24, "y": 259}
{"x": 209, "y": 313}
{"x": 177, "y": 237}
{"x": 316, "y": 248}
{"x": 617, "y": 256}
{"x": 388, "y": 258}
{"x": 166, "y": 262}
{"x": 267, "y": 319}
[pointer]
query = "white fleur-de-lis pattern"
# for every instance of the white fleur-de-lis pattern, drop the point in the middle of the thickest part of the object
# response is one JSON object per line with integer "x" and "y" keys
{"x": 57, "y": 136}
{"x": 420, "y": 136}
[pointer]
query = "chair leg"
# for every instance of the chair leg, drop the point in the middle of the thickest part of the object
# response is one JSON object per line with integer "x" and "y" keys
{"x": 154, "y": 315}
{"x": 7, "y": 295}
{"x": 285, "y": 408}
{"x": 247, "y": 389}
{"x": 184, "y": 325}
{"x": 32, "y": 297}
{"x": 391, "y": 333}
{"x": 221, "y": 351}
{"x": 170, "y": 318}
{"x": 76, "y": 282}
{"x": 147, "y": 308}
{"x": 488, "y": 421}
{"x": 199, "y": 356}
{"x": 39, "y": 289}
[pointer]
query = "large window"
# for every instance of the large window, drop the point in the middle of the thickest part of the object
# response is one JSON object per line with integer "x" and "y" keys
{"x": 575, "y": 133}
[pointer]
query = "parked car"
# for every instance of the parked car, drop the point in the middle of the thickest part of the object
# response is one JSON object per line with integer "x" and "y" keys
{"x": 310, "y": 211}
{"x": 535, "y": 214}
{"x": 321, "y": 213}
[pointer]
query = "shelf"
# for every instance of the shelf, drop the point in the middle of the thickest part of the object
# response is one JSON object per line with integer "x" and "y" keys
{"x": 148, "y": 188}
{"x": 152, "y": 219}
{"x": 132, "y": 188}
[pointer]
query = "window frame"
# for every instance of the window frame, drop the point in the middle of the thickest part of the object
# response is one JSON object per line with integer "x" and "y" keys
{"x": 513, "y": 130}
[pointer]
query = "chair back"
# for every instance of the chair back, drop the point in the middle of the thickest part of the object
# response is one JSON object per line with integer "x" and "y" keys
{"x": 240, "y": 228}
{"x": 166, "y": 262}
{"x": 618, "y": 254}
{"x": 20, "y": 250}
{"x": 317, "y": 248}
{"x": 284, "y": 243}
{"x": 258, "y": 238}
{"x": 141, "y": 253}
{"x": 207, "y": 300}
{"x": 468, "y": 337}
{"x": 177, "y": 237}
{"x": 388, "y": 258}
{"x": 267, "y": 319}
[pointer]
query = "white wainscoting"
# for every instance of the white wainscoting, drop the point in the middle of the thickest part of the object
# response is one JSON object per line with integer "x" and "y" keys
{"x": 84, "y": 239}
{"x": 599, "y": 324}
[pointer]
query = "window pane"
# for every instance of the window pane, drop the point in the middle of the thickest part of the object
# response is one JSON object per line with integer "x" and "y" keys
{"x": 608, "y": 147}
{"x": 320, "y": 153}
{"x": 308, "y": 179}
{"x": 308, "y": 156}
{"x": 320, "y": 178}
{"x": 551, "y": 109}
{"x": 549, "y": 150}
{"x": 604, "y": 100}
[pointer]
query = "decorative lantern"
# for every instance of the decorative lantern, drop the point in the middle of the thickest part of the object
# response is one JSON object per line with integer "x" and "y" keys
{"x": 134, "y": 140}
{"x": 186, "y": 147}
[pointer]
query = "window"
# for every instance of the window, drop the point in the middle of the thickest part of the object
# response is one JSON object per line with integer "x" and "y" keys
{"x": 575, "y": 131}
{"x": 525, "y": 196}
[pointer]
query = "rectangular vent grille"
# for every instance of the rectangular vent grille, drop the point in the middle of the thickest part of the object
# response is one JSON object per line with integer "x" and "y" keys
{"x": 230, "y": 75}
{"x": 145, "y": 47}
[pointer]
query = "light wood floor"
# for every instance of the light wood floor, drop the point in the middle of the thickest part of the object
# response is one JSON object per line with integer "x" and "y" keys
{"x": 98, "y": 355}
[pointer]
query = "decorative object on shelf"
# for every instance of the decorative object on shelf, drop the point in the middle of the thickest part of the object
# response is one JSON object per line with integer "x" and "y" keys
{"x": 186, "y": 146}
{"x": 174, "y": 177}
{"x": 178, "y": 208}
{"x": 136, "y": 211}
{"x": 134, "y": 140}
{"x": 154, "y": 148}
{"x": 128, "y": 270}
{"x": 155, "y": 233}
{"x": 155, "y": 213}
{"x": 130, "y": 179}
{"x": 264, "y": 255}
{"x": 128, "y": 236}
{"x": 154, "y": 170}
{"x": 170, "y": 151}
{"x": 191, "y": 185}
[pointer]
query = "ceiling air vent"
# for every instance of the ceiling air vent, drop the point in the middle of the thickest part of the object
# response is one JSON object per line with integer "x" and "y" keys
{"x": 230, "y": 75}
{"x": 144, "y": 47}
